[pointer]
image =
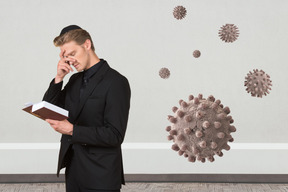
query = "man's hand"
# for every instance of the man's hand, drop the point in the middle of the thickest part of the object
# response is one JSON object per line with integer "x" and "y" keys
{"x": 63, "y": 67}
{"x": 64, "y": 127}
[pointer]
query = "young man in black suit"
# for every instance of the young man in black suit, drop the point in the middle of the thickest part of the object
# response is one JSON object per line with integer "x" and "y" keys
{"x": 98, "y": 101}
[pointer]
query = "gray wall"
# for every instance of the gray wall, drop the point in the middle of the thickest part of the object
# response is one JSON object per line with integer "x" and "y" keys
{"x": 138, "y": 38}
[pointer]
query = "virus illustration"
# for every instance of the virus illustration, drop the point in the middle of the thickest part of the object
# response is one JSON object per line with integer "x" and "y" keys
{"x": 179, "y": 12}
{"x": 258, "y": 83}
{"x": 196, "y": 53}
{"x": 200, "y": 128}
{"x": 229, "y": 33}
{"x": 164, "y": 73}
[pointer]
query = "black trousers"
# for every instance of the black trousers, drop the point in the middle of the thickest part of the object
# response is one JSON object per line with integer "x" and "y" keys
{"x": 72, "y": 185}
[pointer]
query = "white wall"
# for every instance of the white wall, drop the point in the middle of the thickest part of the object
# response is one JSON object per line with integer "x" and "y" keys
{"x": 138, "y": 37}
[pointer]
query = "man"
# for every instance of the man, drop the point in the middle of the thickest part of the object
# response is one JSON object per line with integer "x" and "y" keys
{"x": 98, "y": 101}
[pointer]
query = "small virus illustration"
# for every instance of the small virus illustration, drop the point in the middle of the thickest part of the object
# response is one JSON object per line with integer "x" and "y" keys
{"x": 196, "y": 53}
{"x": 164, "y": 73}
{"x": 200, "y": 128}
{"x": 258, "y": 83}
{"x": 179, "y": 12}
{"x": 229, "y": 33}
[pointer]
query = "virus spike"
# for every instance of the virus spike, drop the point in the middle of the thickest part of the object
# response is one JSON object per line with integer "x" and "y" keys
{"x": 187, "y": 131}
{"x": 174, "y": 109}
{"x": 198, "y": 134}
{"x": 180, "y": 113}
{"x": 228, "y": 118}
{"x": 206, "y": 124}
{"x": 170, "y": 137}
{"x": 214, "y": 105}
{"x": 188, "y": 118}
{"x": 168, "y": 128}
{"x": 191, "y": 97}
{"x": 173, "y": 132}
{"x": 218, "y": 102}
{"x": 180, "y": 137}
{"x": 202, "y": 106}
{"x": 172, "y": 119}
{"x": 211, "y": 158}
{"x": 184, "y": 147}
{"x": 226, "y": 110}
{"x": 199, "y": 114}
{"x": 219, "y": 153}
{"x": 221, "y": 116}
{"x": 184, "y": 104}
{"x": 196, "y": 100}
{"x": 217, "y": 124}
{"x": 211, "y": 98}
{"x": 213, "y": 145}
{"x": 232, "y": 128}
{"x": 226, "y": 147}
{"x": 180, "y": 152}
{"x": 202, "y": 144}
{"x": 220, "y": 135}
{"x": 195, "y": 150}
{"x": 175, "y": 147}
{"x": 192, "y": 159}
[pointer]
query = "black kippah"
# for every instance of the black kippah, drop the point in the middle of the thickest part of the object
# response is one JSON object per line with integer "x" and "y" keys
{"x": 69, "y": 28}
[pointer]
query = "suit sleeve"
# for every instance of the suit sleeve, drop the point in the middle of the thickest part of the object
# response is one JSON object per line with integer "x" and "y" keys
{"x": 54, "y": 94}
{"x": 115, "y": 118}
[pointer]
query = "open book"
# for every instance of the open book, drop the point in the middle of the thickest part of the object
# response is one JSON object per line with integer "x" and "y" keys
{"x": 45, "y": 110}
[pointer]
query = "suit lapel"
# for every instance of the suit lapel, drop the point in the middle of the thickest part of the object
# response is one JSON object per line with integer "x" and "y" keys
{"x": 77, "y": 86}
{"x": 74, "y": 94}
{"x": 93, "y": 82}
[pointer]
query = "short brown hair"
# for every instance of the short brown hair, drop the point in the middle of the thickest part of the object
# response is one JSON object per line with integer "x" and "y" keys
{"x": 77, "y": 35}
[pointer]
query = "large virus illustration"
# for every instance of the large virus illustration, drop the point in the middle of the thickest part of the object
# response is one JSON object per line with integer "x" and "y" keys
{"x": 164, "y": 73}
{"x": 258, "y": 83}
{"x": 179, "y": 12}
{"x": 229, "y": 33}
{"x": 196, "y": 53}
{"x": 200, "y": 128}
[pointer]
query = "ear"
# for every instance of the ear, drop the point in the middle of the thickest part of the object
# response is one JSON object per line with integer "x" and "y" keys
{"x": 87, "y": 44}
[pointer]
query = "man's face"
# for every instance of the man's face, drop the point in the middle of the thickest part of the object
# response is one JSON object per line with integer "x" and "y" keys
{"x": 77, "y": 52}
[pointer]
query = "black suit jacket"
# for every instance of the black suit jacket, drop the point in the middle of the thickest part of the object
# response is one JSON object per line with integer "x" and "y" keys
{"x": 100, "y": 119}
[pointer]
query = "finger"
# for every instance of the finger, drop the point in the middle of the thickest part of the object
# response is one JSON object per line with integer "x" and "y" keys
{"x": 50, "y": 121}
{"x": 68, "y": 58}
{"x": 64, "y": 69}
{"x": 66, "y": 66}
{"x": 62, "y": 53}
{"x": 69, "y": 62}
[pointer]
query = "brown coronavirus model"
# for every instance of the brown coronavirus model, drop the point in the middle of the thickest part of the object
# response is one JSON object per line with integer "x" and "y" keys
{"x": 179, "y": 12}
{"x": 164, "y": 73}
{"x": 200, "y": 128}
{"x": 258, "y": 83}
{"x": 196, "y": 53}
{"x": 229, "y": 33}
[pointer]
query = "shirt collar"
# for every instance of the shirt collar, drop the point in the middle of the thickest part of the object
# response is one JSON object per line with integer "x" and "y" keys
{"x": 92, "y": 70}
